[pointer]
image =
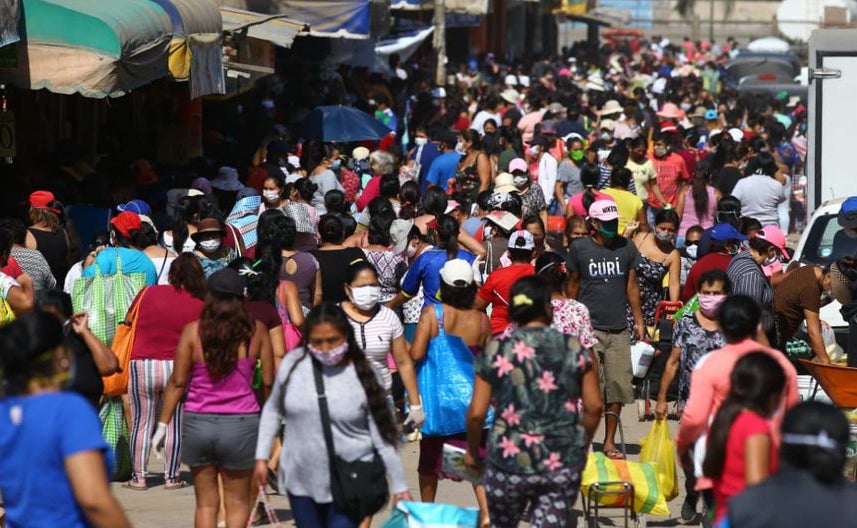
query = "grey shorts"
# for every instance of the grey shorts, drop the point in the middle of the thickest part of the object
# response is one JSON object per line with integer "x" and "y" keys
{"x": 614, "y": 366}
{"x": 227, "y": 441}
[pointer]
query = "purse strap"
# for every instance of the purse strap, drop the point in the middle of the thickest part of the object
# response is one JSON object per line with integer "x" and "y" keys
{"x": 438, "y": 313}
{"x": 325, "y": 413}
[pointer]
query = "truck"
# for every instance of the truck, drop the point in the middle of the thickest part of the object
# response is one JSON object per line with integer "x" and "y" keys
{"x": 832, "y": 113}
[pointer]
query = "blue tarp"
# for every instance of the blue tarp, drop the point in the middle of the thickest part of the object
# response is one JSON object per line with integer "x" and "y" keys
{"x": 331, "y": 18}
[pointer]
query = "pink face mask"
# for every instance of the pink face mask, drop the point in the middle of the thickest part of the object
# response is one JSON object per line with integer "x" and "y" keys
{"x": 709, "y": 304}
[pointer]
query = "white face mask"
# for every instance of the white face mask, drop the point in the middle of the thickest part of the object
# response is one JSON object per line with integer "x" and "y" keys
{"x": 365, "y": 297}
{"x": 210, "y": 246}
{"x": 411, "y": 251}
{"x": 534, "y": 150}
{"x": 685, "y": 106}
{"x": 420, "y": 141}
{"x": 459, "y": 147}
{"x": 270, "y": 196}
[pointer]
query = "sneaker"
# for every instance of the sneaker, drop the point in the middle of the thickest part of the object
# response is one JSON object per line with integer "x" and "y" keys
{"x": 688, "y": 510}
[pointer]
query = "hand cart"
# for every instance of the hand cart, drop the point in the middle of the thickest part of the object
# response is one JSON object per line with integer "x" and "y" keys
{"x": 661, "y": 337}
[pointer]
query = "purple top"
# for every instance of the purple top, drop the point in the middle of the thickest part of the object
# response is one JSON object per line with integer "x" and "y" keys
{"x": 232, "y": 394}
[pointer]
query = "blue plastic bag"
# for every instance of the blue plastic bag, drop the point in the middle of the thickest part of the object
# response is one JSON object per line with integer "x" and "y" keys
{"x": 445, "y": 379}
{"x": 428, "y": 515}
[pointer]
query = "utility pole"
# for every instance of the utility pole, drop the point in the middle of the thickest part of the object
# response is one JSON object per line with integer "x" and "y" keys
{"x": 710, "y": 21}
{"x": 440, "y": 41}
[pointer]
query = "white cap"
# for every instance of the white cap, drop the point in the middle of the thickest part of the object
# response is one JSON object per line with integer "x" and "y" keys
{"x": 522, "y": 239}
{"x": 511, "y": 80}
{"x": 457, "y": 272}
{"x": 736, "y": 134}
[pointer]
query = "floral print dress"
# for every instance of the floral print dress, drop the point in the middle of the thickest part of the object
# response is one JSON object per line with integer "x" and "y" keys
{"x": 650, "y": 280}
{"x": 572, "y": 319}
{"x": 694, "y": 341}
{"x": 535, "y": 376}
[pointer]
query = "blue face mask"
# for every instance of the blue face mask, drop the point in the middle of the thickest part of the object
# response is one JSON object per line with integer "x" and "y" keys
{"x": 336, "y": 164}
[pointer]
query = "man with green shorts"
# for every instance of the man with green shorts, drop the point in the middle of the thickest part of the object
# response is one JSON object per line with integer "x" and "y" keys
{"x": 602, "y": 276}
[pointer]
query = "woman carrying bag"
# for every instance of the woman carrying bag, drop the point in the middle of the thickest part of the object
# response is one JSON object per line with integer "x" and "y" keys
{"x": 329, "y": 396}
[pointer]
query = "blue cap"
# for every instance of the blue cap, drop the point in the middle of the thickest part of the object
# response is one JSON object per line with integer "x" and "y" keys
{"x": 135, "y": 206}
{"x": 711, "y": 115}
{"x": 725, "y": 232}
{"x": 848, "y": 213}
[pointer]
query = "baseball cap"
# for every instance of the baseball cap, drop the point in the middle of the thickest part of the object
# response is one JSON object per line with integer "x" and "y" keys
{"x": 457, "y": 272}
{"x": 604, "y": 210}
{"x": 522, "y": 239}
{"x": 668, "y": 127}
{"x": 711, "y": 115}
{"x": 775, "y": 236}
{"x": 517, "y": 164}
{"x": 399, "y": 231}
{"x": 42, "y": 200}
{"x": 135, "y": 206}
{"x": 126, "y": 221}
{"x": 360, "y": 153}
{"x": 737, "y": 135}
{"x": 725, "y": 232}
{"x": 848, "y": 213}
{"x": 504, "y": 182}
{"x": 226, "y": 282}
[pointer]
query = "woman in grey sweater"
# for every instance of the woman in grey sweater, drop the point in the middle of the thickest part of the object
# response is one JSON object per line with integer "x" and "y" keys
{"x": 361, "y": 421}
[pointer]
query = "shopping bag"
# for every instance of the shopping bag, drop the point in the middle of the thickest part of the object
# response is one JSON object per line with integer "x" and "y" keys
{"x": 427, "y": 515}
{"x": 647, "y": 495}
{"x": 445, "y": 379}
{"x": 123, "y": 344}
{"x": 291, "y": 333}
{"x": 114, "y": 429}
{"x": 106, "y": 299}
{"x": 658, "y": 449}
{"x": 7, "y": 315}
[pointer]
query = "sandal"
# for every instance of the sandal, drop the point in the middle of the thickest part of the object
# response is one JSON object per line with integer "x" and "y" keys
{"x": 614, "y": 454}
{"x": 181, "y": 484}
{"x": 130, "y": 484}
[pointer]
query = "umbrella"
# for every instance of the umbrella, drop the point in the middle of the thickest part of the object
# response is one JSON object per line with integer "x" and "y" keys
{"x": 341, "y": 123}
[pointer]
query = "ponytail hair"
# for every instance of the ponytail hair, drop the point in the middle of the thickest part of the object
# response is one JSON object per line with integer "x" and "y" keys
{"x": 589, "y": 176}
{"x": 447, "y": 234}
{"x": 409, "y": 196}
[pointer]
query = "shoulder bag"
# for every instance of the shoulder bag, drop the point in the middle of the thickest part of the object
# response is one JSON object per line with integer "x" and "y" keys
{"x": 359, "y": 489}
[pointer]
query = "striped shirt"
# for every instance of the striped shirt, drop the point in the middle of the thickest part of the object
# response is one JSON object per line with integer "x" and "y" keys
{"x": 375, "y": 337}
{"x": 748, "y": 279}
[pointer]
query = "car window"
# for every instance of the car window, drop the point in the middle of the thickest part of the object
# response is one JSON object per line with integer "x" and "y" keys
{"x": 827, "y": 242}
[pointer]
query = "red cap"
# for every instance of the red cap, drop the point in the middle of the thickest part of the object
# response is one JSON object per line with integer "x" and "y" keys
{"x": 126, "y": 221}
{"x": 43, "y": 200}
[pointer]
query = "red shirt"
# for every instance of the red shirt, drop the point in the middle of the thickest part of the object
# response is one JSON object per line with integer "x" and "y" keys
{"x": 708, "y": 262}
{"x": 670, "y": 172}
{"x": 732, "y": 482}
{"x": 496, "y": 291}
{"x": 12, "y": 268}
{"x": 164, "y": 313}
{"x": 372, "y": 191}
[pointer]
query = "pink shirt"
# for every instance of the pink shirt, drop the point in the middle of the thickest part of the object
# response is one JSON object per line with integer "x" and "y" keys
{"x": 527, "y": 125}
{"x": 689, "y": 217}
{"x": 231, "y": 394}
{"x": 709, "y": 386}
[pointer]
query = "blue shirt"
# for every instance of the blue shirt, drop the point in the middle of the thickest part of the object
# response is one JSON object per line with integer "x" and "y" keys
{"x": 426, "y": 271}
{"x": 428, "y": 153}
{"x": 442, "y": 169}
{"x": 132, "y": 260}
{"x": 37, "y": 435}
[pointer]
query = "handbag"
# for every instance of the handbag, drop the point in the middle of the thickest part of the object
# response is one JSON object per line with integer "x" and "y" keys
{"x": 114, "y": 429}
{"x": 359, "y": 489}
{"x": 291, "y": 333}
{"x": 445, "y": 379}
{"x": 123, "y": 343}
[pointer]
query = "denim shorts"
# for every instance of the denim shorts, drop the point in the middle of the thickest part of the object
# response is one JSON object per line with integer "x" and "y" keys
{"x": 227, "y": 441}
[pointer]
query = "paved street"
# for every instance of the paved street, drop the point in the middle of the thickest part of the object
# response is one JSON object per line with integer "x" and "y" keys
{"x": 157, "y": 508}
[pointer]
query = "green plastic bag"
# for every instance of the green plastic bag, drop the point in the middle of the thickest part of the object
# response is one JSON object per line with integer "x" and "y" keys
{"x": 658, "y": 449}
{"x": 114, "y": 429}
{"x": 689, "y": 307}
{"x": 106, "y": 299}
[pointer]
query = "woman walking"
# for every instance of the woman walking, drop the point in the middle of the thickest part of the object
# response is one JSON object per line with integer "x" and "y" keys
{"x": 163, "y": 313}
{"x": 537, "y": 447}
{"x": 214, "y": 365}
{"x": 359, "y": 420}
{"x": 48, "y": 234}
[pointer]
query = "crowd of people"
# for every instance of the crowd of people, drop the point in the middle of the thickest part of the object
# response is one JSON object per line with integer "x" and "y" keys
{"x": 536, "y": 219}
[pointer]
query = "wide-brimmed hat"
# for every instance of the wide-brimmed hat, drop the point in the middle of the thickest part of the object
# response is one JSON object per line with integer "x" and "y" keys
{"x": 611, "y": 107}
{"x": 227, "y": 180}
{"x": 504, "y": 182}
{"x": 208, "y": 225}
{"x": 510, "y": 95}
{"x": 671, "y": 111}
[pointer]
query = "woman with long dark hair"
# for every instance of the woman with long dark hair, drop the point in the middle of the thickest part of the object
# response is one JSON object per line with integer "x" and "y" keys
{"x": 578, "y": 205}
{"x": 475, "y": 167}
{"x": 189, "y": 211}
{"x": 214, "y": 365}
{"x": 697, "y": 205}
{"x": 741, "y": 450}
{"x": 360, "y": 419}
{"x": 164, "y": 311}
{"x": 49, "y": 433}
{"x": 280, "y": 259}
{"x": 333, "y": 258}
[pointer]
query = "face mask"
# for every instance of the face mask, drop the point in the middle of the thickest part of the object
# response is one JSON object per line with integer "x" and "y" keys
{"x": 534, "y": 150}
{"x": 210, "y": 246}
{"x": 577, "y": 155}
{"x": 606, "y": 136}
{"x": 770, "y": 261}
{"x": 459, "y": 147}
{"x": 732, "y": 251}
{"x": 331, "y": 357}
{"x": 271, "y": 196}
{"x": 520, "y": 181}
{"x": 411, "y": 251}
{"x": 685, "y": 106}
{"x": 665, "y": 236}
{"x": 660, "y": 151}
{"x": 420, "y": 141}
{"x": 691, "y": 251}
{"x": 609, "y": 228}
{"x": 365, "y": 297}
{"x": 709, "y": 304}
{"x": 336, "y": 164}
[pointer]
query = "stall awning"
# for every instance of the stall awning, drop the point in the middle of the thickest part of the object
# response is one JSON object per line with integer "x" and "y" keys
{"x": 195, "y": 49}
{"x": 276, "y": 29}
{"x": 93, "y": 47}
{"x": 332, "y": 18}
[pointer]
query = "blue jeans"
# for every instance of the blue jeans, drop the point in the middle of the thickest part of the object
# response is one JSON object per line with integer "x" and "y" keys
{"x": 310, "y": 514}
